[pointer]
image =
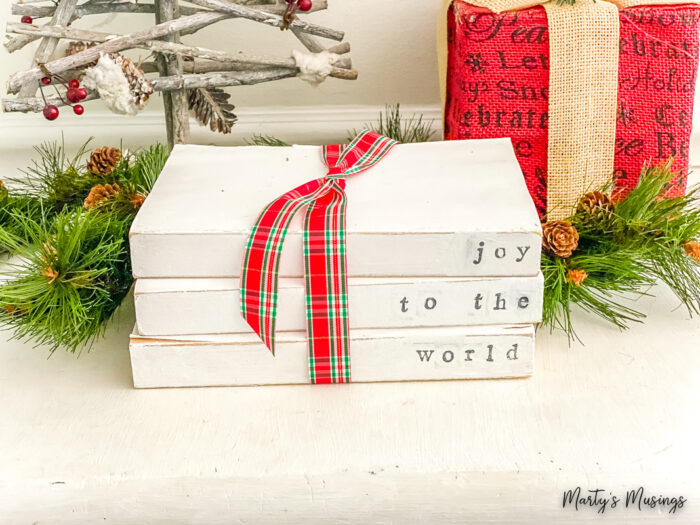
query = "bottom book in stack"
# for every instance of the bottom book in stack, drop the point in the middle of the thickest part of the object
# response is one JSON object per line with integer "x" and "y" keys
{"x": 407, "y": 354}
{"x": 189, "y": 332}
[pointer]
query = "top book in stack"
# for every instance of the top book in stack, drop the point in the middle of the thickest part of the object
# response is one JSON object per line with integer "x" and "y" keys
{"x": 458, "y": 208}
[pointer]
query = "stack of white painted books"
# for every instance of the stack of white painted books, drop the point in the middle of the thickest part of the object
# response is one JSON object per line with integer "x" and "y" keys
{"x": 443, "y": 248}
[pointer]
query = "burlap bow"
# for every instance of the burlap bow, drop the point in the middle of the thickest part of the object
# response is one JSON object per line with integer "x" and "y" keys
{"x": 584, "y": 54}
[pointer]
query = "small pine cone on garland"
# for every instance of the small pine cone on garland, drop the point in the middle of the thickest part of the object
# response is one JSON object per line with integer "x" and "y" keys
{"x": 104, "y": 160}
{"x": 99, "y": 194}
{"x": 3, "y": 191}
{"x": 139, "y": 86}
{"x": 14, "y": 311}
{"x": 596, "y": 205}
{"x": 692, "y": 250}
{"x": 576, "y": 277}
{"x": 137, "y": 200}
{"x": 559, "y": 238}
{"x": 50, "y": 273}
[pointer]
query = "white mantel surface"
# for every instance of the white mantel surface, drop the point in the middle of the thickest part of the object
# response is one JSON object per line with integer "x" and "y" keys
{"x": 78, "y": 445}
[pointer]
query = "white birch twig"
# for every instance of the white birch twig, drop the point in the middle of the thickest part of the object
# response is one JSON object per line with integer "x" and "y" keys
{"x": 215, "y": 79}
{"x": 209, "y": 66}
{"x": 131, "y": 40}
{"x": 129, "y": 6}
{"x": 268, "y": 18}
{"x": 119, "y": 6}
{"x": 236, "y": 60}
{"x": 177, "y": 116}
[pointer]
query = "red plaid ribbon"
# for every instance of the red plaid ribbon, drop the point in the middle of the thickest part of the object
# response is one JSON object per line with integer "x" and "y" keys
{"x": 324, "y": 258}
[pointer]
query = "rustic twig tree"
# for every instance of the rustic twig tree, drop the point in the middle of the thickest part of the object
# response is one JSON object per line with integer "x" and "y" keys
{"x": 190, "y": 77}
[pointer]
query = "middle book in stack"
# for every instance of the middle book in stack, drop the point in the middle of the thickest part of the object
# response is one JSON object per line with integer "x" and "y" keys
{"x": 443, "y": 247}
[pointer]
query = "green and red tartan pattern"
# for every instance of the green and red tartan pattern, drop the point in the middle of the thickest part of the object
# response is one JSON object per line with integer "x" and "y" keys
{"x": 325, "y": 262}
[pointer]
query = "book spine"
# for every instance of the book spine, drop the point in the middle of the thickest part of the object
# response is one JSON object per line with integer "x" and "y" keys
{"x": 369, "y": 255}
{"x": 405, "y": 357}
{"x": 373, "y": 304}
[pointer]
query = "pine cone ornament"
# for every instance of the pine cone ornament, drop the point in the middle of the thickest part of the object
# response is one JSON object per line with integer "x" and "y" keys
{"x": 211, "y": 107}
{"x": 99, "y": 194}
{"x": 576, "y": 277}
{"x": 104, "y": 160}
{"x": 3, "y": 191}
{"x": 141, "y": 89}
{"x": 596, "y": 205}
{"x": 559, "y": 238}
{"x": 692, "y": 250}
{"x": 75, "y": 46}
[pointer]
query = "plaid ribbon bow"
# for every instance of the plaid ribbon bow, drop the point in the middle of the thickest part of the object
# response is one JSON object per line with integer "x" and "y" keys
{"x": 324, "y": 258}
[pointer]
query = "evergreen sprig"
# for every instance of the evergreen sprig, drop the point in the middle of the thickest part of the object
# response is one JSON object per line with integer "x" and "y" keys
{"x": 265, "y": 140}
{"x": 74, "y": 267}
{"x": 70, "y": 282}
{"x": 623, "y": 253}
{"x": 392, "y": 123}
{"x": 395, "y": 125}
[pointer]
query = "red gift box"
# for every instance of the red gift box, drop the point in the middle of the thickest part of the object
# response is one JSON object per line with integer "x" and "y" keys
{"x": 498, "y": 79}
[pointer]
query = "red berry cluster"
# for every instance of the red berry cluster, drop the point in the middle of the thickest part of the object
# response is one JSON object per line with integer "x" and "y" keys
{"x": 302, "y": 5}
{"x": 74, "y": 94}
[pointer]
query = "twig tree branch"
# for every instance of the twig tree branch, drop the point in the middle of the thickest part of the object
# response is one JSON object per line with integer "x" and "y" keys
{"x": 181, "y": 67}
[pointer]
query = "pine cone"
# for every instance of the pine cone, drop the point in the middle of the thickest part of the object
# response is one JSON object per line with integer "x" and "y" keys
{"x": 11, "y": 309}
{"x": 211, "y": 107}
{"x": 137, "y": 201}
{"x": 692, "y": 250}
{"x": 559, "y": 238}
{"x": 139, "y": 86}
{"x": 75, "y": 46}
{"x": 3, "y": 191}
{"x": 99, "y": 194}
{"x": 104, "y": 160}
{"x": 596, "y": 205}
{"x": 576, "y": 277}
{"x": 50, "y": 273}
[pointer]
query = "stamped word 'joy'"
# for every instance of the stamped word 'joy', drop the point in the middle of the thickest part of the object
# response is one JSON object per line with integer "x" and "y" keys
{"x": 484, "y": 252}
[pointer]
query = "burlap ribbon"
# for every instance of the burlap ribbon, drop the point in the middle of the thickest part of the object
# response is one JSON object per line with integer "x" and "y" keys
{"x": 584, "y": 55}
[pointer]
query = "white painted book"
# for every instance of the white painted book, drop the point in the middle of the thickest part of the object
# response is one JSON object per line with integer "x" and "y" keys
{"x": 212, "y": 306}
{"x": 414, "y": 354}
{"x": 455, "y": 208}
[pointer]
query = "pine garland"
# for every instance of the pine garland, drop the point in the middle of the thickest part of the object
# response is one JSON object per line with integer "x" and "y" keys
{"x": 74, "y": 268}
{"x": 624, "y": 247}
{"x": 69, "y": 229}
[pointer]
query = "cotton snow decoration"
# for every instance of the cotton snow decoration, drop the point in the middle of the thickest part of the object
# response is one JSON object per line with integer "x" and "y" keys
{"x": 121, "y": 84}
{"x": 314, "y": 68}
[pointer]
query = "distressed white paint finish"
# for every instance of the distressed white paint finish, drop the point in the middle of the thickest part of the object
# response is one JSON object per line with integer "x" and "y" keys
{"x": 425, "y": 209}
{"x": 416, "y": 354}
{"x": 80, "y": 446}
{"x": 212, "y": 306}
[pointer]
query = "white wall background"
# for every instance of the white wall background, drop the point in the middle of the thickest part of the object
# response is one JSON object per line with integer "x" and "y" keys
{"x": 393, "y": 48}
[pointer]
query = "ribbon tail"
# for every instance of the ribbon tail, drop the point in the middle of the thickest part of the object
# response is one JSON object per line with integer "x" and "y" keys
{"x": 326, "y": 287}
{"x": 260, "y": 269}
